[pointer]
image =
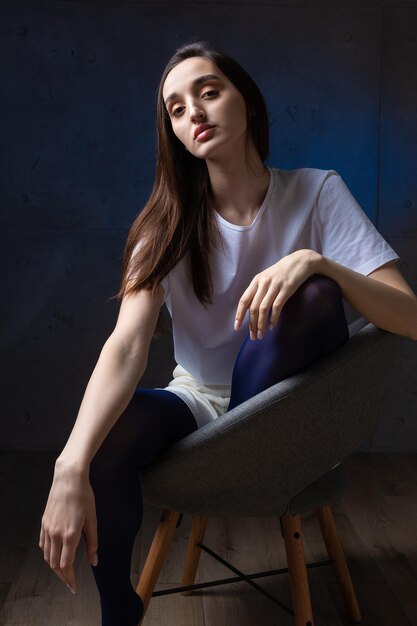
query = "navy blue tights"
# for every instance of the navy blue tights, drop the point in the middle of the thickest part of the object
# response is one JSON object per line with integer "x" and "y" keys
{"x": 312, "y": 323}
{"x": 153, "y": 420}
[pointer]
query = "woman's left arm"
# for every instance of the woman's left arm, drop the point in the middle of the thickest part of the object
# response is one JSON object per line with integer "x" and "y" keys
{"x": 383, "y": 297}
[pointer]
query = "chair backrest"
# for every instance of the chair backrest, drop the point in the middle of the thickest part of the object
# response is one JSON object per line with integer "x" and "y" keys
{"x": 255, "y": 458}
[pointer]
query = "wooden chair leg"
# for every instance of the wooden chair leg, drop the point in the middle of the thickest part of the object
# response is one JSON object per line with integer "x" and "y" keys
{"x": 156, "y": 556}
{"x": 300, "y": 591}
{"x": 337, "y": 556}
{"x": 198, "y": 529}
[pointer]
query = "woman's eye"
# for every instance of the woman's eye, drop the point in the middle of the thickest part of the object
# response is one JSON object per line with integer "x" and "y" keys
{"x": 210, "y": 93}
{"x": 177, "y": 111}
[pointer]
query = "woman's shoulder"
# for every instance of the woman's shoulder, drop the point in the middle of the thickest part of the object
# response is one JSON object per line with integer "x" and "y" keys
{"x": 303, "y": 173}
{"x": 302, "y": 181}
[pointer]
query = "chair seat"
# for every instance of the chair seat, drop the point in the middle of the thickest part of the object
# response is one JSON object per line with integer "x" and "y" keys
{"x": 275, "y": 452}
{"x": 321, "y": 492}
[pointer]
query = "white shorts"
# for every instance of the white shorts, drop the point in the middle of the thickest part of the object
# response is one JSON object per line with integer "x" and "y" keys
{"x": 206, "y": 402}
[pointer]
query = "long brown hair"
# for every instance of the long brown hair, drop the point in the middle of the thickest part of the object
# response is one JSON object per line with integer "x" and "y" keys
{"x": 178, "y": 218}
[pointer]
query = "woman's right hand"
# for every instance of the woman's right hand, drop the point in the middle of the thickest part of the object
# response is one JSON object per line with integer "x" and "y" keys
{"x": 70, "y": 509}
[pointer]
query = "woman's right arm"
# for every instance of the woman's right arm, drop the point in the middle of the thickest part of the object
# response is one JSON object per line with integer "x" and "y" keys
{"x": 122, "y": 362}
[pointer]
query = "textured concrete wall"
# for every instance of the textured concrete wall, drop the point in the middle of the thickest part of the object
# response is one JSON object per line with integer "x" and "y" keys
{"x": 78, "y": 83}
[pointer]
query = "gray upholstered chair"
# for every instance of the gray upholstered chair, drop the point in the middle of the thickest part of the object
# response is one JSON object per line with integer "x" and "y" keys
{"x": 292, "y": 438}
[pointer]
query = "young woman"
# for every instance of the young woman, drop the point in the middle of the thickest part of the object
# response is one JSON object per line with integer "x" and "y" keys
{"x": 253, "y": 263}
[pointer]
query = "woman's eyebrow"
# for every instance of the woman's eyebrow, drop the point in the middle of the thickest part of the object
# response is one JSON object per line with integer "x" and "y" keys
{"x": 196, "y": 81}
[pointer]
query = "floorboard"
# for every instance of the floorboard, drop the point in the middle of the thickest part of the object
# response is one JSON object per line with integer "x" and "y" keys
{"x": 376, "y": 521}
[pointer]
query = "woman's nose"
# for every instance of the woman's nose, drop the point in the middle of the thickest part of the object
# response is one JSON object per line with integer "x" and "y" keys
{"x": 196, "y": 113}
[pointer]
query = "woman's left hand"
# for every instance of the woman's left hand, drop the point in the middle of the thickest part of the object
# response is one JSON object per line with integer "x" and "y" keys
{"x": 269, "y": 290}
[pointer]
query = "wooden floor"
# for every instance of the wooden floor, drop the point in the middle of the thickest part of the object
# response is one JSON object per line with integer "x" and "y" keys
{"x": 377, "y": 522}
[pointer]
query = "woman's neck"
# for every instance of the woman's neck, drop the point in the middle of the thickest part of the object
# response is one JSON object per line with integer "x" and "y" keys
{"x": 239, "y": 189}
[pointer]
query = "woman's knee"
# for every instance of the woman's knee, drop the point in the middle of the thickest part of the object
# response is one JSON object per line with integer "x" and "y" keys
{"x": 318, "y": 293}
{"x": 319, "y": 288}
{"x": 153, "y": 419}
{"x": 116, "y": 448}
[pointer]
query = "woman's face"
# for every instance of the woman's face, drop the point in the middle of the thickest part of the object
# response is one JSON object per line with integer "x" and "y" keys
{"x": 207, "y": 112}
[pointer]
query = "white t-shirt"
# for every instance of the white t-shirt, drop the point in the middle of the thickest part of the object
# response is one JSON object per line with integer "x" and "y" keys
{"x": 303, "y": 208}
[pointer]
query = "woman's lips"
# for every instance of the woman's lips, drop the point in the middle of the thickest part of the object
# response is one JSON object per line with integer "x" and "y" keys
{"x": 203, "y": 132}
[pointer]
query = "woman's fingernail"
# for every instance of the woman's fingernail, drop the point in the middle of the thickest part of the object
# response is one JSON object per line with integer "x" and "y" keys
{"x": 94, "y": 560}
{"x": 259, "y": 334}
{"x": 237, "y": 324}
{"x": 252, "y": 335}
{"x": 70, "y": 588}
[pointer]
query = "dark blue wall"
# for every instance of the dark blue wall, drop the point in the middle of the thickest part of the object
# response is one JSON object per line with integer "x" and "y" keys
{"x": 78, "y": 82}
